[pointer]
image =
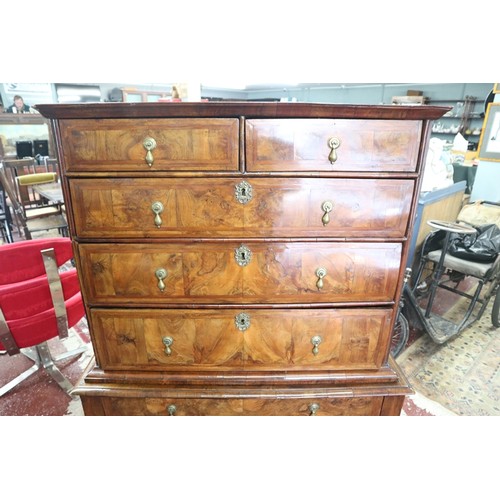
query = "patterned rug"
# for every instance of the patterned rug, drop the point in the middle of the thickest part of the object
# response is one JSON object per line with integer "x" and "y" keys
{"x": 462, "y": 375}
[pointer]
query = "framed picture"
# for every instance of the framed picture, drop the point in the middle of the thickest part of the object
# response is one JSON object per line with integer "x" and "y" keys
{"x": 496, "y": 88}
{"x": 489, "y": 143}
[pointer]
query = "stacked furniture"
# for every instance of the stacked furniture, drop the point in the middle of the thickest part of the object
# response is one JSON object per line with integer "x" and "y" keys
{"x": 241, "y": 258}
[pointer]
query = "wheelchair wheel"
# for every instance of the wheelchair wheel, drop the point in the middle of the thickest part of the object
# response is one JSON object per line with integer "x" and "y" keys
{"x": 400, "y": 335}
{"x": 495, "y": 311}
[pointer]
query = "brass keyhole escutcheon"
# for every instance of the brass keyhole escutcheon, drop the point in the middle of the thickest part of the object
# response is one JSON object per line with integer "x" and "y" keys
{"x": 320, "y": 273}
{"x": 149, "y": 144}
{"x": 333, "y": 144}
{"x": 157, "y": 208}
{"x": 327, "y": 207}
{"x": 313, "y": 409}
{"x": 167, "y": 342}
{"x": 242, "y": 321}
{"x": 171, "y": 409}
{"x": 243, "y": 255}
{"x": 316, "y": 341}
{"x": 243, "y": 192}
{"x": 161, "y": 274}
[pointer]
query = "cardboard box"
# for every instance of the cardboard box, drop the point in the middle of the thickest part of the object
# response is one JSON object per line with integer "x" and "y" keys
{"x": 409, "y": 100}
{"x": 414, "y": 92}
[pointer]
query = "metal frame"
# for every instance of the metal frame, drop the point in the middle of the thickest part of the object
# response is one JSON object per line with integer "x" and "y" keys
{"x": 438, "y": 328}
{"x": 43, "y": 358}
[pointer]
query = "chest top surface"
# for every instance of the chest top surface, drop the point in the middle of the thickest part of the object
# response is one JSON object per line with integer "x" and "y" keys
{"x": 237, "y": 109}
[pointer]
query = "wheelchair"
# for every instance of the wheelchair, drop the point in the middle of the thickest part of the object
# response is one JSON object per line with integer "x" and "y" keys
{"x": 438, "y": 269}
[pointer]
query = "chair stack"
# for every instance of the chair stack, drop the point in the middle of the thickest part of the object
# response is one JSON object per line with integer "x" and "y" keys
{"x": 32, "y": 212}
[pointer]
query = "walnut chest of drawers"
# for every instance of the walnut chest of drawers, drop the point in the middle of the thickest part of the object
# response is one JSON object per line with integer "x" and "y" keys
{"x": 241, "y": 258}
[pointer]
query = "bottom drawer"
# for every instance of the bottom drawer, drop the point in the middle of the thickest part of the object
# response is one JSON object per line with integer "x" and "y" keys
{"x": 336, "y": 406}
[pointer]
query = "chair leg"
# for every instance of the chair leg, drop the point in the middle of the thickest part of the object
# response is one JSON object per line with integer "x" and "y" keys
{"x": 43, "y": 358}
{"x": 10, "y": 385}
{"x": 48, "y": 363}
{"x": 69, "y": 354}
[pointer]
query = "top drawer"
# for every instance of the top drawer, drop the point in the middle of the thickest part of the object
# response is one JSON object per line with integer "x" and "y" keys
{"x": 178, "y": 144}
{"x": 332, "y": 145}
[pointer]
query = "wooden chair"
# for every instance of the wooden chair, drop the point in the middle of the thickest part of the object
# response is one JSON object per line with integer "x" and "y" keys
{"x": 32, "y": 219}
{"x": 51, "y": 165}
{"x": 5, "y": 218}
{"x": 37, "y": 304}
{"x": 28, "y": 166}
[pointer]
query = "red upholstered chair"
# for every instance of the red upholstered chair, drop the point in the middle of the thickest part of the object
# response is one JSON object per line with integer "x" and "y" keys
{"x": 38, "y": 303}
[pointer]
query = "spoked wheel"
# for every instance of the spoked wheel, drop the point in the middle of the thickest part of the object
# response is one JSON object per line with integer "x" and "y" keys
{"x": 495, "y": 311}
{"x": 400, "y": 334}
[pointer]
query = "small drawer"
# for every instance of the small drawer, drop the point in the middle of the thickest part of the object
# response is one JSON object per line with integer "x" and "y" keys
{"x": 233, "y": 272}
{"x": 332, "y": 145}
{"x": 144, "y": 145}
{"x": 180, "y": 340}
{"x": 234, "y": 406}
{"x": 233, "y": 207}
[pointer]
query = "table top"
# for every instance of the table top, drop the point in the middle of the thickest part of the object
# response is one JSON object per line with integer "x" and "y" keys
{"x": 52, "y": 191}
{"x": 451, "y": 227}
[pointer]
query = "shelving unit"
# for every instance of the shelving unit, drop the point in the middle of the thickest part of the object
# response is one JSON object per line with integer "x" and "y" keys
{"x": 465, "y": 118}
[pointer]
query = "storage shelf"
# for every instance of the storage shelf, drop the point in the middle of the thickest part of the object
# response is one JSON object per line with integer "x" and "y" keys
{"x": 455, "y": 133}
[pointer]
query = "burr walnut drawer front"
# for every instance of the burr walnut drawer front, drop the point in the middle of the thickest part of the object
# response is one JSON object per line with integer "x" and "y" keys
{"x": 150, "y": 144}
{"x": 332, "y": 145}
{"x": 259, "y": 207}
{"x": 233, "y": 272}
{"x": 228, "y": 339}
{"x": 233, "y": 406}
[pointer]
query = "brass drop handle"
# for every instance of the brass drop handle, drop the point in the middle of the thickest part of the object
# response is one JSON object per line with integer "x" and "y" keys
{"x": 149, "y": 144}
{"x": 333, "y": 144}
{"x": 171, "y": 410}
{"x": 320, "y": 273}
{"x": 327, "y": 207}
{"x": 157, "y": 208}
{"x": 161, "y": 274}
{"x": 167, "y": 341}
{"x": 316, "y": 341}
{"x": 313, "y": 409}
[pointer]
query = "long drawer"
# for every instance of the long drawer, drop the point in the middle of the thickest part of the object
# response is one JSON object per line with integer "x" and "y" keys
{"x": 225, "y": 339}
{"x": 146, "y": 145}
{"x": 251, "y": 272}
{"x": 224, "y": 406}
{"x": 259, "y": 207}
{"x": 332, "y": 145}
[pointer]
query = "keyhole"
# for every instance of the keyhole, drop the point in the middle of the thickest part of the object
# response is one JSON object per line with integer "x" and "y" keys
{"x": 243, "y": 256}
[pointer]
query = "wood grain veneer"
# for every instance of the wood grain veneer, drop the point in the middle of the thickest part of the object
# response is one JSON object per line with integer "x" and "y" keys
{"x": 229, "y": 329}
